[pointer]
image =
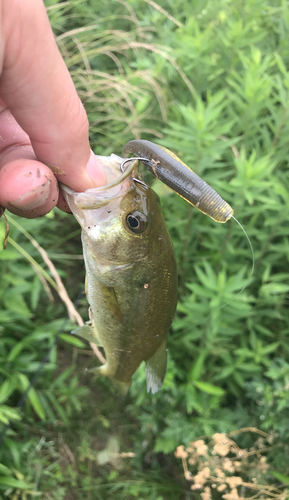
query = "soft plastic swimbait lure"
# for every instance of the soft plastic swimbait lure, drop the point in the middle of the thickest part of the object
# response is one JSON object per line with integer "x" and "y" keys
{"x": 167, "y": 167}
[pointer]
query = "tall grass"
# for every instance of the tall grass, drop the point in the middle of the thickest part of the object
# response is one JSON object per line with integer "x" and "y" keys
{"x": 209, "y": 81}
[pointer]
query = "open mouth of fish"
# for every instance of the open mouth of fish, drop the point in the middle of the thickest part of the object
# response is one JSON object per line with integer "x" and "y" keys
{"x": 117, "y": 184}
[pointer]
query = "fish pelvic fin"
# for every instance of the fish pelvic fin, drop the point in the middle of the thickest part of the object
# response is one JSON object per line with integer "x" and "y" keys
{"x": 156, "y": 368}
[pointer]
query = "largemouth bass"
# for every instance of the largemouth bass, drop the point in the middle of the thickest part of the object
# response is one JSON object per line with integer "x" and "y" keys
{"x": 131, "y": 274}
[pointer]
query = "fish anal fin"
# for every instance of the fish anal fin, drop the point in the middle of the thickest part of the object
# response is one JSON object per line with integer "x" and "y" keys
{"x": 156, "y": 368}
{"x": 87, "y": 332}
{"x": 121, "y": 387}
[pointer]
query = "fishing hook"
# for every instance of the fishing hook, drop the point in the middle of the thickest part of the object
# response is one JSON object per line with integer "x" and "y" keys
{"x": 130, "y": 159}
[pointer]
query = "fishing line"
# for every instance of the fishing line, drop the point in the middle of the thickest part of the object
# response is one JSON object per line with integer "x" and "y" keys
{"x": 253, "y": 263}
{"x": 210, "y": 197}
{"x": 252, "y": 252}
{"x": 41, "y": 366}
{"x": 248, "y": 280}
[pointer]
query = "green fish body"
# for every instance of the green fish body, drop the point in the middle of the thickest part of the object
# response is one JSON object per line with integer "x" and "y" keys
{"x": 131, "y": 275}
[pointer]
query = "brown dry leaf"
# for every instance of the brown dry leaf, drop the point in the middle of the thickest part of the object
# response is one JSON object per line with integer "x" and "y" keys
{"x": 219, "y": 437}
{"x": 234, "y": 481}
{"x": 200, "y": 446}
{"x": 198, "y": 443}
{"x": 206, "y": 495}
{"x": 180, "y": 452}
{"x": 196, "y": 486}
{"x": 223, "y": 444}
{"x": 222, "y": 487}
{"x": 220, "y": 474}
{"x": 262, "y": 465}
{"x": 233, "y": 495}
{"x": 202, "y": 451}
{"x": 284, "y": 495}
{"x": 2, "y": 212}
{"x": 55, "y": 170}
{"x": 228, "y": 465}
{"x": 222, "y": 449}
{"x": 201, "y": 478}
{"x": 190, "y": 450}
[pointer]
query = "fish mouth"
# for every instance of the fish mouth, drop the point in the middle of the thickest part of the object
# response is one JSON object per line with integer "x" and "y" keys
{"x": 115, "y": 175}
{"x": 118, "y": 184}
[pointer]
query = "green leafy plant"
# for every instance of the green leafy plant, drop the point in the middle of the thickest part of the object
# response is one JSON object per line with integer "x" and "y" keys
{"x": 208, "y": 80}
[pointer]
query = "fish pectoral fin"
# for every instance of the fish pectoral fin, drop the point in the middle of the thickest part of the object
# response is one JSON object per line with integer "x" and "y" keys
{"x": 87, "y": 332}
{"x": 156, "y": 368}
{"x": 112, "y": 302}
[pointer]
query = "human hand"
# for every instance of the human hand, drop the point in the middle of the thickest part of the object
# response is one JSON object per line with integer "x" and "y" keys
{"x": 42, "y": 121}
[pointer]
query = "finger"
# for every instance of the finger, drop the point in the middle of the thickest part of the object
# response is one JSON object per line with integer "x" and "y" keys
{"x": 28, "y": 188}
{"x": 2, "y": 106}
{"x": 37, "y": 88}
{"x": 62, "y": 203}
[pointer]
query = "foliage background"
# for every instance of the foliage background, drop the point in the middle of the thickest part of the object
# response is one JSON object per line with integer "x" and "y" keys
{"x": 209, "y": 80}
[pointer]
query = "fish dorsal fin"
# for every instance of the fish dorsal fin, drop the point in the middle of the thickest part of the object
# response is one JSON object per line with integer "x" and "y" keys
{"x": 156, "y": 368}
{"x": 87, "y": 332}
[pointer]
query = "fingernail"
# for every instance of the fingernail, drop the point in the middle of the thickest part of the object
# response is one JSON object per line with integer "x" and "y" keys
{"x": 33, "y": 199}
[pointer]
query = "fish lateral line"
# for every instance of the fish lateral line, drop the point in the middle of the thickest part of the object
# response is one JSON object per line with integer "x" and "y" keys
{"x": 173, "y": 172}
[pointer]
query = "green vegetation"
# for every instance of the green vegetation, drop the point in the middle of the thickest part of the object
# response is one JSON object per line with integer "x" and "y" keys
{"x": 209, "y": 80}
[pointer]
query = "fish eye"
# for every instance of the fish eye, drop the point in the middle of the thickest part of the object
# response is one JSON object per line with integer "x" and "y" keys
{"x": 137, "y": 222}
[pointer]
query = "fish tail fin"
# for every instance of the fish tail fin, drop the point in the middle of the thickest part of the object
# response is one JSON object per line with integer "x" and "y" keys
{"x": 156, "y": 368}
{"x": 122, "y": 387}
